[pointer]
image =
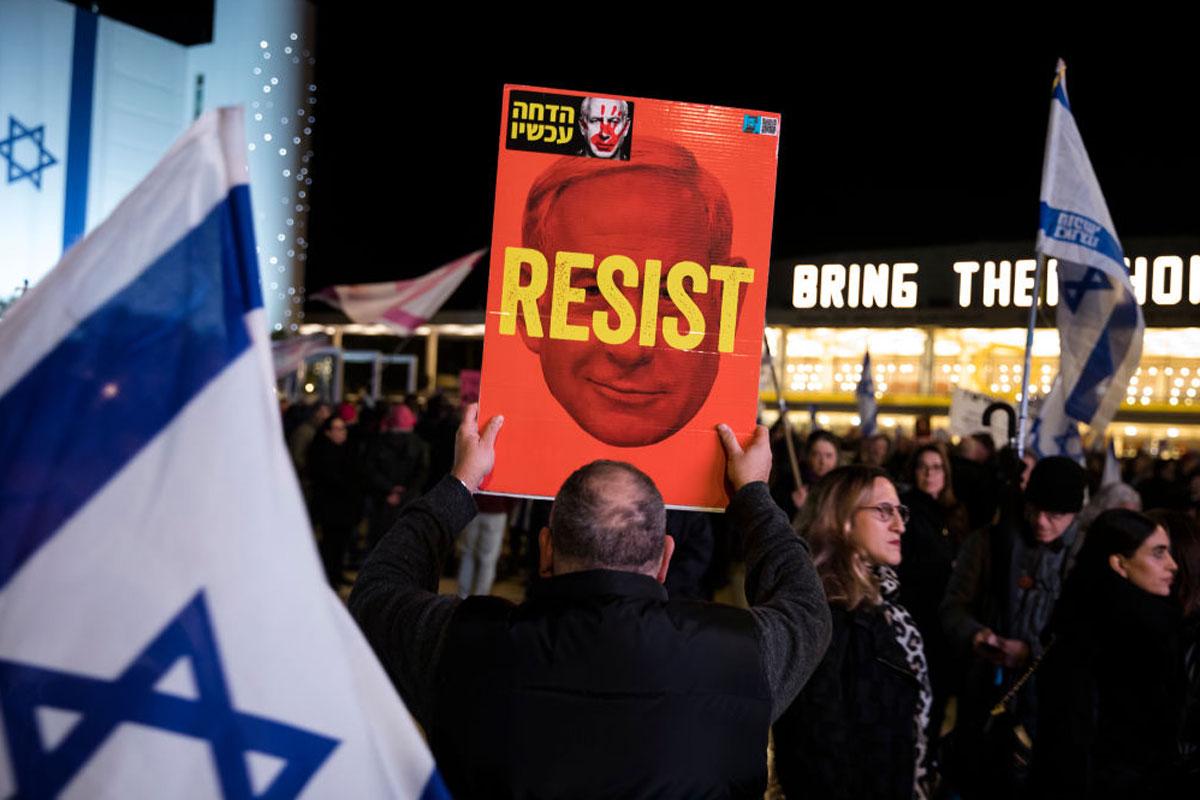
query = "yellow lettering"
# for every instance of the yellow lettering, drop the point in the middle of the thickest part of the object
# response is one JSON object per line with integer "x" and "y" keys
{"x": 564, "y": 294}
{"x": 731, "y": 278}
{"x": 648, "y": 333}
{"x": 626, "y": 319}
{"x": 514, "y": 297}
{"x": 686, "y": 306}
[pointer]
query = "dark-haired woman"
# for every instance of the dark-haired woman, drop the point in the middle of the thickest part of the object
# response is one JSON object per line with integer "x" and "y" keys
{"x": 1185, "y": 548}
{"x": 858, "y": 727}
{"x": 337, "y": 499}
{"x": 937, "y": 526}
{"x": 1110, "y": 684}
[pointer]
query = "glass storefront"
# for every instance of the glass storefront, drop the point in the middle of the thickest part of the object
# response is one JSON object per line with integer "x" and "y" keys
{"x": 915, "y": 370}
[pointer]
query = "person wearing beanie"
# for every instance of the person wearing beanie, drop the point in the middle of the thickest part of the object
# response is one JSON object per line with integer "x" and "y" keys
{"x": 1006, "y": 581}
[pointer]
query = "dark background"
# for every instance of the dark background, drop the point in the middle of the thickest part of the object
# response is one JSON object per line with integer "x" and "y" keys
{"x": 878, "y": 149}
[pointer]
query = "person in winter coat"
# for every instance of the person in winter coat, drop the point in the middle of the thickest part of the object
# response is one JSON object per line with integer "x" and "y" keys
{"x": 397, "y": 465}
{"x": 337, "y": 500}
{"x": 1111, "y": 679}
{"x": 936, "y": 527}
{"x": 858, "y": 728}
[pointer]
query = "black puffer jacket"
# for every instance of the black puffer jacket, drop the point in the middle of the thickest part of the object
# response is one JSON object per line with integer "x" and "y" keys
{"x": 850, "y": 733}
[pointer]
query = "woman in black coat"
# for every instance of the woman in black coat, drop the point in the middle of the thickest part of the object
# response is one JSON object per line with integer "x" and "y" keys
{"x": 1110, "y": 683}
{"x": 858, "y": 727}
{"x": 337, "y": 499}
{"x": 936, "y": 527}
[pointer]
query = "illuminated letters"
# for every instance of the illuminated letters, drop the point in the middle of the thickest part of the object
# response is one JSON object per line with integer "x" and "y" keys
{"x": 965, "y": 270}
{"x": 997, "y": 283}
{"x": 904, "y": 291}
{"x": 833, "y": 280}
{"x": 875, "y": 286}
{"x": 1023, "y": 283}
{"x": 1167, "y": 286}
{"x": 1194, "y": 280}
{"x": 804, "y": 286}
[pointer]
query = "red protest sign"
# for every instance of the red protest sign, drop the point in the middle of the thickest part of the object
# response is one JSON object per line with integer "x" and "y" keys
{"x": 628, "y": 278}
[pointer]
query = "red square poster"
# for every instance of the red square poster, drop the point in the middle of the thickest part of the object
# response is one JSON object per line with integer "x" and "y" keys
{"x": 628, "y": 279}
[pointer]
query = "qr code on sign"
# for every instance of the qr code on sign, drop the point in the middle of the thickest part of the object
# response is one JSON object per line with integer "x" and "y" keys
{"x": 770, "y": 126}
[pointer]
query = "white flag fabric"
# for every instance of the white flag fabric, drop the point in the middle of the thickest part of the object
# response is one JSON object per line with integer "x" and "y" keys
{"x": 864, "y": 395}
{"x": 165, "y": 627}
{"x": 403, "y": 305}
{"x": 1099, "y": 322}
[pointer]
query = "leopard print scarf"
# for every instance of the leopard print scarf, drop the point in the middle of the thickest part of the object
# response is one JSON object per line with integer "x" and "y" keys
{"x": 909, "y": 639}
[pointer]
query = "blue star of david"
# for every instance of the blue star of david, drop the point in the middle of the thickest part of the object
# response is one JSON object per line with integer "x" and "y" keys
{"x": 1065, "y": 440}
{"x": 1092, "y": 280}
{"x": 103, "y": 705}
{"x": 1062, "y": 441}
{"x": 17, "y": 132}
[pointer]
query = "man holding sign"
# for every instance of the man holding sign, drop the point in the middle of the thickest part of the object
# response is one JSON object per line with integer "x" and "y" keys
{"x": 597, "y": 684}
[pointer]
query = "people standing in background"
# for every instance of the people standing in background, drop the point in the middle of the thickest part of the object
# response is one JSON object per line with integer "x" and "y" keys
{"x": 936, "y": 528}
{"x": 481, "y": 542}
{"x": 397, "y": 465}
{"x": 1001, "y": 593}
{"x": 304, "y": 433}
{"x": 1113, "y": 495}
{"x": 875, "y": 450}
{"x": 1185, "y": 549}
{"x": 337, "y": 500}
{"x": 975, "y": 478}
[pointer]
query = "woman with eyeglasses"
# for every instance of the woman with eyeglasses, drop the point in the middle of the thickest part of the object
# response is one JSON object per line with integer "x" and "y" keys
{"x": 936, "y": 528}
{"x": 858, "y": 728}
{"x": 1110, "y": 687}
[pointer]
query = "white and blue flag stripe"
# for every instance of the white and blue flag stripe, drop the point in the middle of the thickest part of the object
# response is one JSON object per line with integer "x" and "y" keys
{"x": 165, "y": 627}
{"x": 1099, "y": 322}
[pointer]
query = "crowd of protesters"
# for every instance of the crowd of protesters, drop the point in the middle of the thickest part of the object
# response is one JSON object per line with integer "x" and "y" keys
{"x": 1002, "y": 627}
{"x": 1035, "y": 634}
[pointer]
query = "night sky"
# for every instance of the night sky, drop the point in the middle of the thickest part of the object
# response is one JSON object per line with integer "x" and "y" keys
{"x": 887, "y": 146}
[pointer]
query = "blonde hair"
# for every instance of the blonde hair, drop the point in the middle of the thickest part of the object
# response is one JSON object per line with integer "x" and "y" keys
{"x": 826, "y": 521}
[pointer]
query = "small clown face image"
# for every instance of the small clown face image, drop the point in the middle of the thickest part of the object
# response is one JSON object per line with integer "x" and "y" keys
{"x": 605, "y": 124}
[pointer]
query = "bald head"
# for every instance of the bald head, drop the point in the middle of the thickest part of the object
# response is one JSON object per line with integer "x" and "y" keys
{"x": 608, "y": 515}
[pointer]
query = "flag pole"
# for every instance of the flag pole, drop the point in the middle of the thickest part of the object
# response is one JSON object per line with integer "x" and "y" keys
{"x": 1023, "y": 415}
{"x": 793, "y": 461}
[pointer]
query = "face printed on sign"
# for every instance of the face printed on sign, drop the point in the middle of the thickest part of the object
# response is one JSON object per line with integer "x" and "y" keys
{"x": 604, "y": 123}
{"x": 636, "y": 296}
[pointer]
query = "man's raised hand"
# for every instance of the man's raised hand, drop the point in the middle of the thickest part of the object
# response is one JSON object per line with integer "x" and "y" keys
{"x": 475, "y": 451}
{"x": 748, "y": 465}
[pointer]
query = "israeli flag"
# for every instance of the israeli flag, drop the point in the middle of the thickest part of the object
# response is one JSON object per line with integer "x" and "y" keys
{"x": 1053, "y": 431}
{"x": 864, "y": 395}
{"x": 165, "y": 627}
{"x": 1099, "y": 322}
